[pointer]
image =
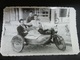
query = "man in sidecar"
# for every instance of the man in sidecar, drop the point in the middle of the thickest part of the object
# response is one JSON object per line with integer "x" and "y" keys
{"x": 22, "y": 28}
{"x": 37, "y": 25}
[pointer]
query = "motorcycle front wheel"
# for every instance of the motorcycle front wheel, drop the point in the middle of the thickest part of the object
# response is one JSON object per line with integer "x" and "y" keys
{"x": 59, "y": 42}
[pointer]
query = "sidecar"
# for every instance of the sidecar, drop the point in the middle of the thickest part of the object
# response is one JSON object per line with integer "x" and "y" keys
{"x": 49, "y": 36}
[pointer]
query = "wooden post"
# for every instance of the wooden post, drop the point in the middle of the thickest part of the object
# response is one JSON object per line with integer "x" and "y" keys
{"x": 53, "y": 15}
{"x": 16, "y": 14}
{"x": 20, "y": 14}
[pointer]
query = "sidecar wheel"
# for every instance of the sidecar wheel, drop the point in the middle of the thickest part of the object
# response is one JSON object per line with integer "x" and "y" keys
{"x": 17, "y": 43}
{"x": 59, "y": 42}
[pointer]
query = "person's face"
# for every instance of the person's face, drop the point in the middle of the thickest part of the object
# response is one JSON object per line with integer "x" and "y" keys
{"x": 22, "y": 22}
{"x": 30, "y": 14}
{"x": 35, "y": 17}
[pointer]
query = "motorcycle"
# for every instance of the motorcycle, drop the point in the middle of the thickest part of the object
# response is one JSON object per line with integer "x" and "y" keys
{"x": 44, "y": 37}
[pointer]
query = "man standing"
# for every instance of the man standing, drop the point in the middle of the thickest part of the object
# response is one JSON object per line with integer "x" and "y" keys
{"x": 30, "y": 17}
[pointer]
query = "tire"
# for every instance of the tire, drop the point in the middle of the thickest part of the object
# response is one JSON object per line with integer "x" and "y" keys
{"x": 59, "y": 42}
{"x": 17, "y": 43}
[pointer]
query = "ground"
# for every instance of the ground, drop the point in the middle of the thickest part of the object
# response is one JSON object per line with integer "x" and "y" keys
{"x": 10, "y": 31}
{"x": 7, "y": 49}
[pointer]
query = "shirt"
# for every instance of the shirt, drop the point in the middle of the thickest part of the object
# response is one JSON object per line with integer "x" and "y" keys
{"x": 36, "y": 24}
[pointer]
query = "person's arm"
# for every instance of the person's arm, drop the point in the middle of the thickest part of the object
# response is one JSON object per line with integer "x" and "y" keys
{"x": 40, "y": 25}
{"x": 28, "y": 24}
{"x": 27, "y": 20}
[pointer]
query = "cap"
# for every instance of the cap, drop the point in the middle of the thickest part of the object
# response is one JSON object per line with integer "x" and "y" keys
{"x": 21, "y": 20}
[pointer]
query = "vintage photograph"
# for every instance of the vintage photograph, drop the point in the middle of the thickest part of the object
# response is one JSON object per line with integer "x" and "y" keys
{"x": 29, "y": 31}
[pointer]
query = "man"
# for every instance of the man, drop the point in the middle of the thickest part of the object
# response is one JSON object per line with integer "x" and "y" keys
{"x": 33, "y": 29}
{"x": 22, "y": 28}
{"x": 36, "y": 24}
{"x": 30, "y": 17}
{"x": 36, "y": 31}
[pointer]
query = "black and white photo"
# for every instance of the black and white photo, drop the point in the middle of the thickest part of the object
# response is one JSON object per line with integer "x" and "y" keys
{"x": 39, "y": 31}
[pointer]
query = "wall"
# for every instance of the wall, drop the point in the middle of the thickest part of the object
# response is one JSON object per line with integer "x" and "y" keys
{"x": 10, "y": 14}
{"x": 62, "y": 27}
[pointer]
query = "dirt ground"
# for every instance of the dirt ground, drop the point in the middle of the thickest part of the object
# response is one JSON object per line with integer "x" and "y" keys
{"x": 6, "y": 48}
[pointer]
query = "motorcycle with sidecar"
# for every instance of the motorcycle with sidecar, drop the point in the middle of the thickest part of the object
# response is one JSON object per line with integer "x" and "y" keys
{"x": 49, "y": 36}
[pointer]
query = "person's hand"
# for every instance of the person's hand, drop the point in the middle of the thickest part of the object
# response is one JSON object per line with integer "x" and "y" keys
{"x": 26, "y": 32}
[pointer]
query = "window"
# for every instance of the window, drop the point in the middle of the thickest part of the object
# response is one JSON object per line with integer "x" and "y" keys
{"x": 63, "y": 12}
{"x": 62, "y": 16}
{"x": 43, "y": 13}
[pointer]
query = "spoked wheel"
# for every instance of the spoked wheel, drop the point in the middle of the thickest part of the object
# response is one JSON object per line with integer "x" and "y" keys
{"x": 59, "y": 42}
{"x": 17, "y": 43}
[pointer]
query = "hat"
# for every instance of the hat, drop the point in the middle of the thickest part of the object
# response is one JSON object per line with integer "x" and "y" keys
{"x": 21, "y": 20}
